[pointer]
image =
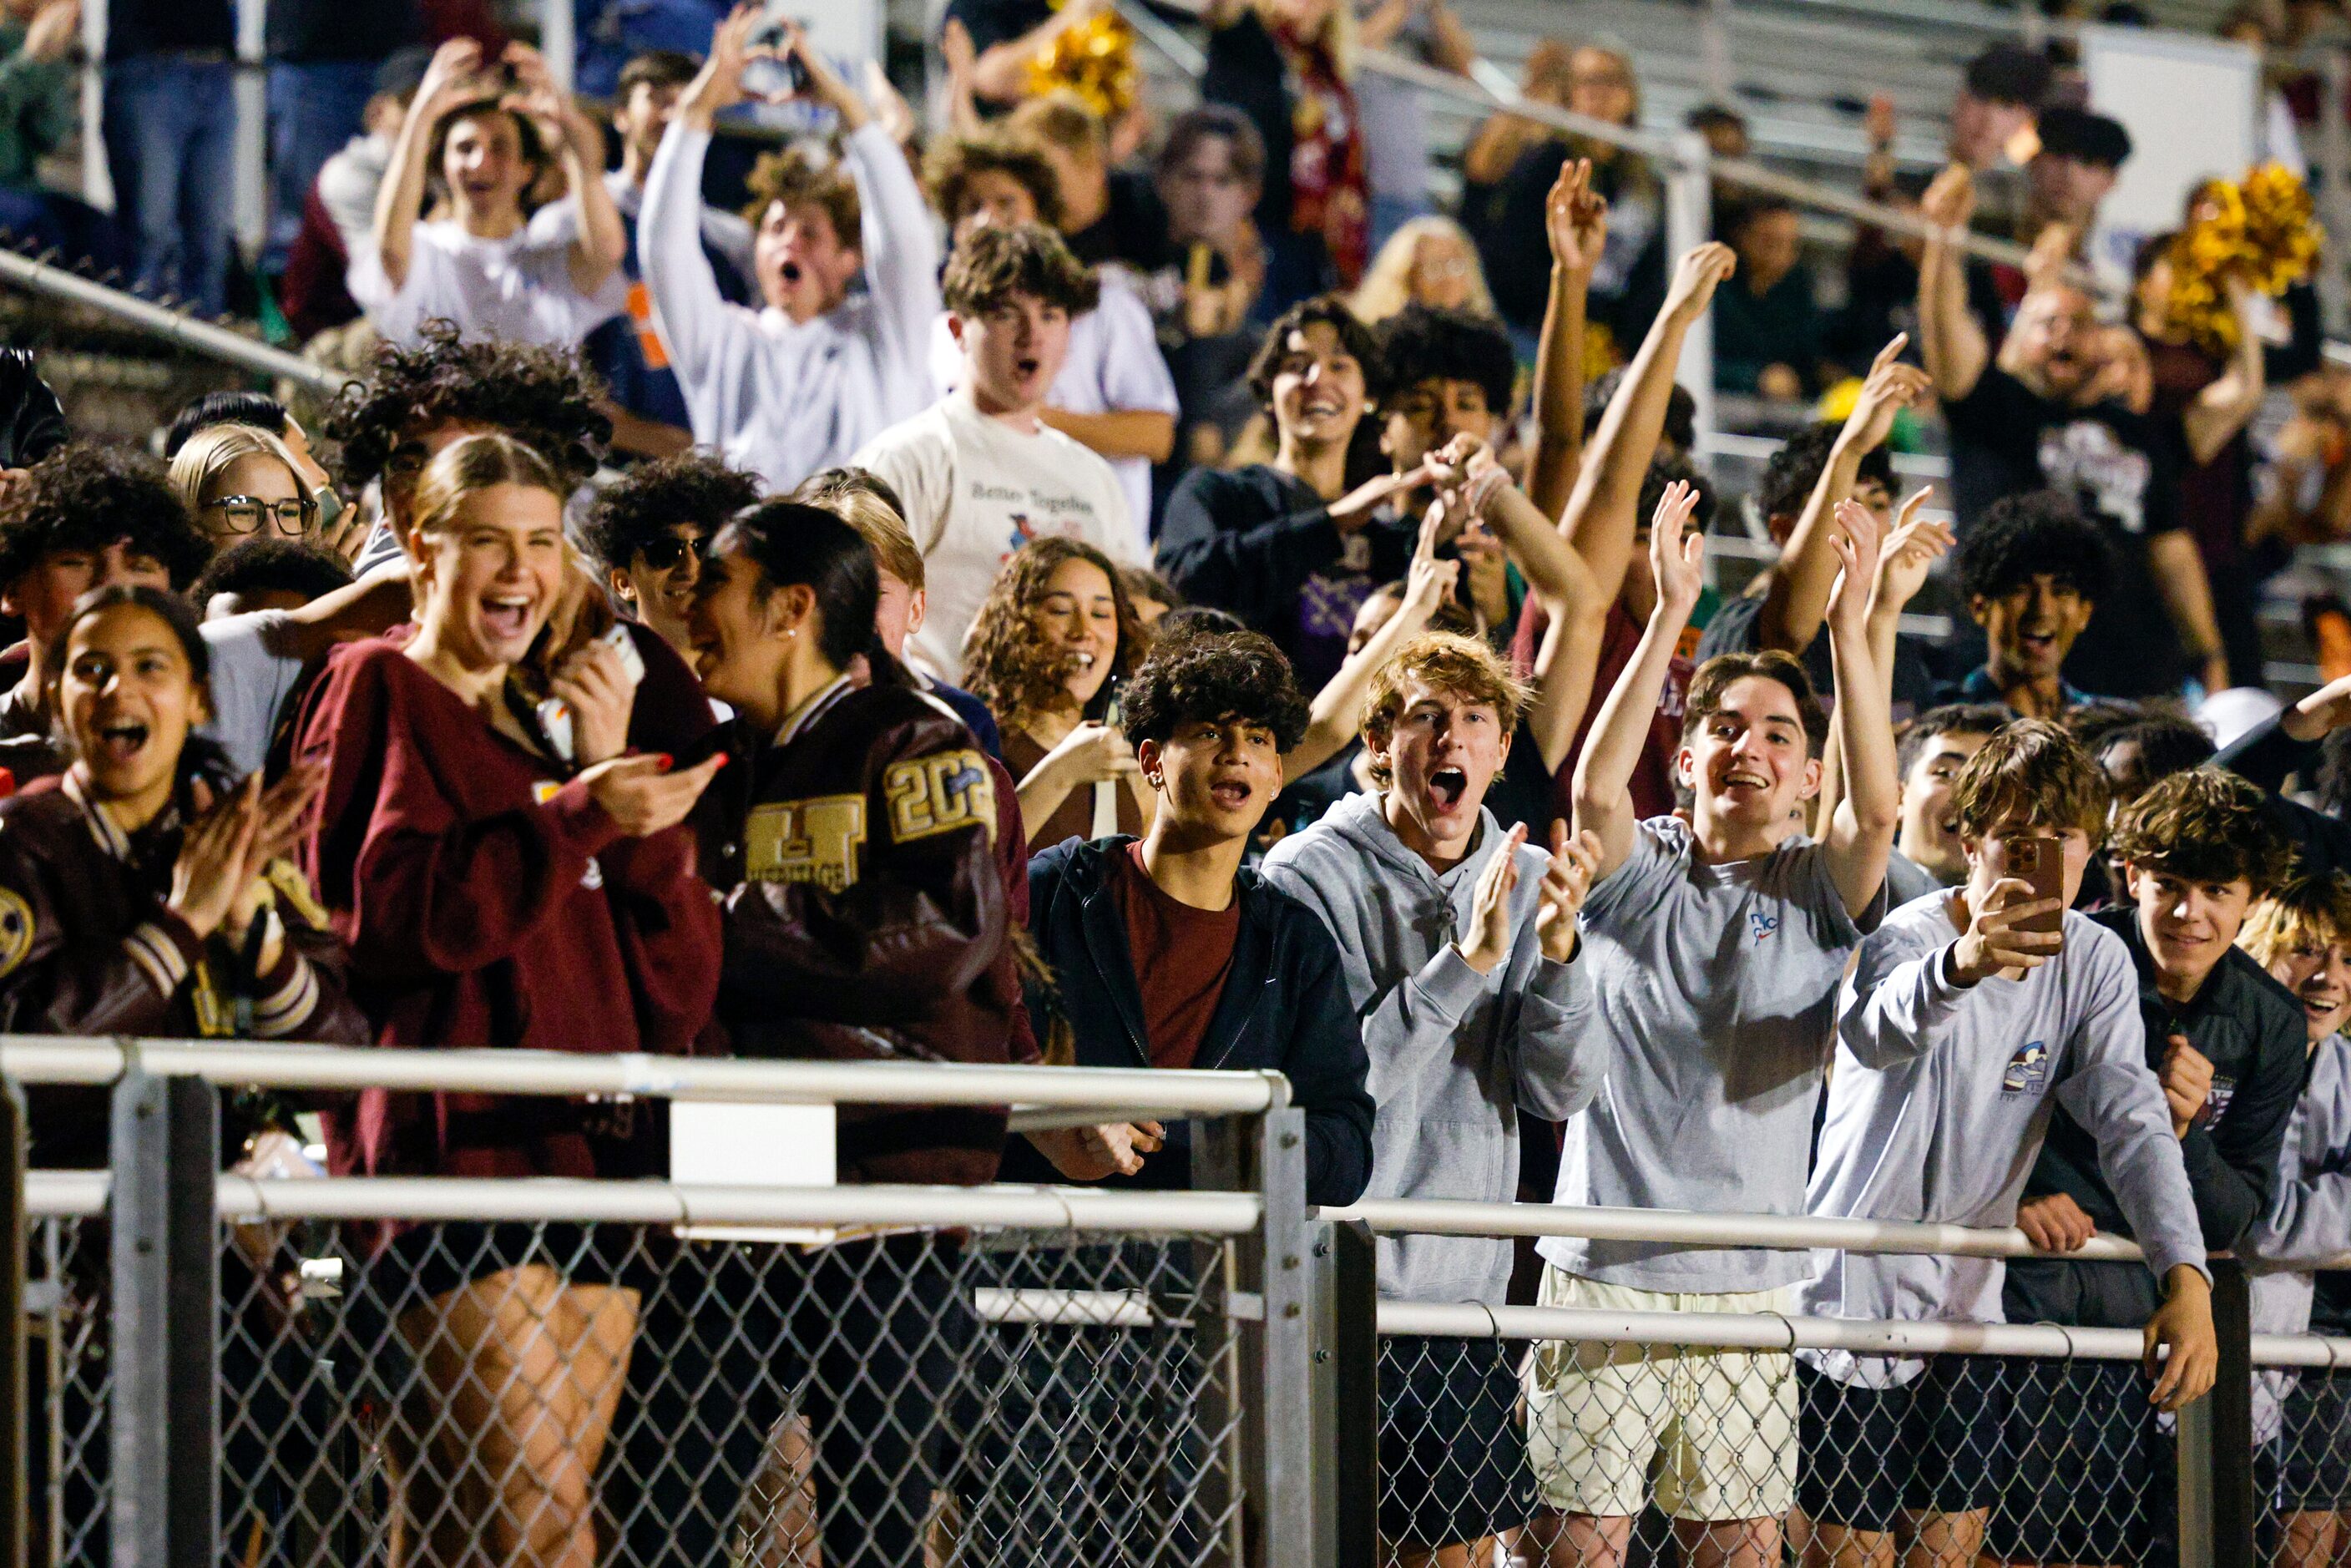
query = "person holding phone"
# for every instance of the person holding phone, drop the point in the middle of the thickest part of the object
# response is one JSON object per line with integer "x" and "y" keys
{"x": 2226, "y": 1044}
{"x": 806, "y": 380}
{"x": 1970, "y": 1017}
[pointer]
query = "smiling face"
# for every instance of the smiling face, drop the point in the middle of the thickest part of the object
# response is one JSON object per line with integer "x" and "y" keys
{"x": 483, "y": 163}
{"x": 2056, "y": 340}
{"x": 2317, "y": 970}
{"x": 803, "y": 265}
{"x": 1440, "y": 754}
{"x": 2188, "y": 926}
{"x": 1926, "y": 837}
{"x": 490, "y": 573}
{"x": 1216, "y": 776}
{"x": 1318, "y": 388}
{"x": 2032, "y": 626}
{"x": 1013, "y": 349}
{"x": 1423, "y": 417}
{"x": 659, "y": 582}
{"x": 258, "y": 477}
{"x": 741, "y": 632}
{"x": 1750, "y": 761}
{"x": 1079, "y": 613}
{"x": 128, "y": 698}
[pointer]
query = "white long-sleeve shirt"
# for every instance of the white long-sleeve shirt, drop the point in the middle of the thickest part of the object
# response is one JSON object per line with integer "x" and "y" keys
{"x": 780, "y": 398}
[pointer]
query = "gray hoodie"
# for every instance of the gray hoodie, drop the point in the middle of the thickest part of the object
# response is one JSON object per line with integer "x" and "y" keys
{"x": 2309, "y": 1222}
{"x": 1454, "y": 1053}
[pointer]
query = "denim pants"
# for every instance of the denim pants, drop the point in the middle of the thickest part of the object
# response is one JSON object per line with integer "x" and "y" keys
{"x": 171, "y": 131}
{"x": 315, "y": 106}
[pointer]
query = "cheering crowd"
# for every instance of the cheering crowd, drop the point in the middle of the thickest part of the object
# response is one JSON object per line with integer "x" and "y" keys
{"x": 1007, "y": 604}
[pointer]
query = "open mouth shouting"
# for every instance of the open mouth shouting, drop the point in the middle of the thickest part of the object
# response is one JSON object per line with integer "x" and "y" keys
{"x": 1233, "y": 794}
{"x": 118, "y": 743}
{"x": 1446, "y": 786}
{"x": 791, "y": 273}
{"x": 507, "y": 617}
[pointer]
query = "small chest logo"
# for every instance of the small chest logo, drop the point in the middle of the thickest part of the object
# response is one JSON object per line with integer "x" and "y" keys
{"x": 2027, "y": 1070}
{"x": 1762, "y": 925}
{"x": 2216, "y": 1104}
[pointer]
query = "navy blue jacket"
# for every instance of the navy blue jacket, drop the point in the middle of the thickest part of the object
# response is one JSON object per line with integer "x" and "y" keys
{"x": 1285, "y": 1008}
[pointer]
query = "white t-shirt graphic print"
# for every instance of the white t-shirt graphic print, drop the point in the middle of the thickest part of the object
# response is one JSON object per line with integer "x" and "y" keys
{"x": 975, "y": 490}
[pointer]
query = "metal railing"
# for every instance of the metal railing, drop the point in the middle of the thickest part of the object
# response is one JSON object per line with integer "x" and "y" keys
{"x": 180, "y": 329}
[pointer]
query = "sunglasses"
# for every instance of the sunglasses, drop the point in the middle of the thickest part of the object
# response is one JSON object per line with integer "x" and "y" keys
{"x": 664, "y": 554}
{"x": 243, "y": 514}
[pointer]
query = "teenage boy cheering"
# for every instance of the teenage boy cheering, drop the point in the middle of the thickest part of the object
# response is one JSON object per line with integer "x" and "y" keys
{"x": 1457, "y": 941}
{"x": 979, "y": 472}
{"x": 2031, "y": 573}
{"x": 2226, "y": 1041}
{"x": 1959, "y": 1036}
{"x": 1718, "y": 944}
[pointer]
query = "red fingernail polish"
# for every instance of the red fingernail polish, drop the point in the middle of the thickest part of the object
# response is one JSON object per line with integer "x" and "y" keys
{"x": 664, "y": 761}
{"x": 721, "y": 759}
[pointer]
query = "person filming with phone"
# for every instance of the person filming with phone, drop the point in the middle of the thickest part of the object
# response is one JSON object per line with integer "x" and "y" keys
{"x": 799, "y": 383}
{"x": 1974, "y": 1017}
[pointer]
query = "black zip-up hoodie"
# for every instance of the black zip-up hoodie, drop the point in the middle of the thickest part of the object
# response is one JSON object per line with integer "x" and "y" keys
{"x": 1284, "y": 1008}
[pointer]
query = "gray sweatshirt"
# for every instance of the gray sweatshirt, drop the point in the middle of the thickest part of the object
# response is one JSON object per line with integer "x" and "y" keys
{"x": 1454, "y": 1053}
{"x": 2310, "y": 1221}
{"x": 1940, "y": 1097}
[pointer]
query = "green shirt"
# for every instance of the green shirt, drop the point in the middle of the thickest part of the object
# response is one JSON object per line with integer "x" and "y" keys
{"x": 37, "y": 107}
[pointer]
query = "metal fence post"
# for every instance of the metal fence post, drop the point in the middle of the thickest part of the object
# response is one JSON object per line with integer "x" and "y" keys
{"x": 1348, "y": 1360}
{"x": 2218, "y": 1519}
{"x": 1293, "y": 1469}
{"x": 165, "y": 1421}
{"x": 16, "y": 1407}
{"x": 1689, "y": 223}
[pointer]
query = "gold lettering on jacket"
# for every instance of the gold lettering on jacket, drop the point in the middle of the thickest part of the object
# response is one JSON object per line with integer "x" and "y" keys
{"x": 805, "y": 841}
{"x": 938, "y": 794}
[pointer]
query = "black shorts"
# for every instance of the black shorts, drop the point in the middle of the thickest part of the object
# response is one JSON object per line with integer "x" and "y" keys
{"x": 2313, "y": 1444}
{"x": 2090, "y": 1476}
{"x": 1453, "y": 1450}
{"x": 1932, "y": 1445}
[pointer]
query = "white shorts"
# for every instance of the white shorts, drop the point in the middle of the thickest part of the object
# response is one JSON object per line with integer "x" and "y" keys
{"x": 1718, "y": 1425}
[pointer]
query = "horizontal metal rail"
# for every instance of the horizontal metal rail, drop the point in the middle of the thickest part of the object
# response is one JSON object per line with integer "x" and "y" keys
{"x": 1756, "y": 1331}
{"x": 35, "y": 1058}
{"x": 178, "y": 328}
{"x": 81, "y": 1195}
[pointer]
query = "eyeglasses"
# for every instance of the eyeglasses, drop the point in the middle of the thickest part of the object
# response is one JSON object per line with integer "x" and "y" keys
{"x": 243, "y": 514}
{"x": 663, "y": 554}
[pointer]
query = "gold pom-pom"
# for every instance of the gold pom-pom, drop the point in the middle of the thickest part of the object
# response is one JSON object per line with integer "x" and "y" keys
{"x": 1095, "y": 60}
{"x": 2261, "y": 230}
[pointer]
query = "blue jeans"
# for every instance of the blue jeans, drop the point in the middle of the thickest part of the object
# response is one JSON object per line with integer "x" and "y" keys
{"x": 315, "y": 107}
{"x": 171, "y": 131}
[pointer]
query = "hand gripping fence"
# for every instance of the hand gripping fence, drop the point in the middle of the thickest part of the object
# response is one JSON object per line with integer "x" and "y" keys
{"x": 418, "y": 1370}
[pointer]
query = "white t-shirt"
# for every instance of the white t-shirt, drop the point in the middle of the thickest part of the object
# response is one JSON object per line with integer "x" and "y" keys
{"x": 1115, "y": 366}
{"x": 974, "y": 491}
{"x": 516, "y": 289}
{"x": 254, "y": 667}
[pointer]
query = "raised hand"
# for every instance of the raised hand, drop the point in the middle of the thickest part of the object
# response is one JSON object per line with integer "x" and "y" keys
{"x": 1890, "y": 387}
{"x": 1356, "y": 507}
{"x": 1857, "y": 541}
{"x": 447, "y": 78}
{"x": 1486, "y": 943}
{"x": 960, "y": 55}
{"x": 718, "y": 86}
{"x": 215, "y": 860}
{"x": 1992, "y": 943}
{"x": 1093, "y": 753}
{"x": 54, "y": 32}
{"x": 1677, "y": 560}
{"x": 1911, "y": 550}
{"x": 643, "y": 796}
{"x": 1575, "y": 219}
{"x": 1575, "y": 864}
{"x": 2328, "y": 707}
{"x": 1950, "y": 200}
{"x": 1428, "y": 579}
{"x": 1695, "y": 277}
{"x": 2187, "y": 1079}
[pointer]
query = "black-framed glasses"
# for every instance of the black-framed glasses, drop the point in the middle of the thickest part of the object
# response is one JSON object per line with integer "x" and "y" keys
{"x": 666, "y": 553}
{"x": 243, "y": 514}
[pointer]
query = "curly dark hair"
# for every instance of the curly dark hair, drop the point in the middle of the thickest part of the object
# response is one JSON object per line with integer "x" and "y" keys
{"x": 1215, "y": 675}
{"x": 954, "y": 161}
{"x": 993, "y": 264}
{"x": 1792, "y": 472}
{"x": 1323, "y": 310}
{"x": 2167, "y": 743}
{"x": 1680, "y": 430}
{"x": 542, "y": 397}
{"x": 270, "y": 565}
{"x": 2205, "y": 825}
{"x": 2091, "y": 722}
{"x": 1665, "y": 471}
{"x": 1018, "y": 674}
{"x": 86, "y": 497}
{"x": 1419, "y": 344}
{"x": 2019, "y": 538}
{"x": 643, "y": 503}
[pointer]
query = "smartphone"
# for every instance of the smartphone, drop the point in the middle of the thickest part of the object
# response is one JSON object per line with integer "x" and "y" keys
{"x": 769, "y": 78}
{"x": 2041, "y": 862}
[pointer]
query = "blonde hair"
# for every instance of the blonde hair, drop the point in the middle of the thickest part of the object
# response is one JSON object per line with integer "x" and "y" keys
{"x": 212, "y": 451}
{"x": 1386, "y": 288}
{"x": 472, "y": 463}
{"x": 2316, "y": 907}
{"x": 1061, "y": 118}
{"x": 883, "y": 530}
{"x": 1338, "y": 33}
{"x": 1462, "y": 666}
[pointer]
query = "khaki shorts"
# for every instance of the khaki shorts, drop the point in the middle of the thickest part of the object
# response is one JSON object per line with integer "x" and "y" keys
{"x": 1720, "y": 1424}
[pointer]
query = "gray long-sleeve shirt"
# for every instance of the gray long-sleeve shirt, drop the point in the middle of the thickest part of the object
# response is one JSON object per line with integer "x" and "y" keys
{"x": 1454, "y": 1053}
{"x": 1939, "y": 1100}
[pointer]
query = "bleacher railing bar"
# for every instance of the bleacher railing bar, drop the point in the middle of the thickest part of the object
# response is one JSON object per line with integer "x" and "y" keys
{"x": 1030, "y": 1374}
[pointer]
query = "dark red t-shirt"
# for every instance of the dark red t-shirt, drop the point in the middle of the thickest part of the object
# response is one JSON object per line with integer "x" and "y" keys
{"x": 1652, "y": 787}
{"x": 1181, "y": 959}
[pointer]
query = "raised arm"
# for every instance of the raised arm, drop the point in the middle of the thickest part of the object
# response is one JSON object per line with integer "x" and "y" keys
{"x": 1603, "y": 774}
{"x": 400, "y": 201}
{"x": 1576, "y": 219}
{"x": 603, "y": 243}
{"x": 1603, "y": 513}
{"x": 1903, "y": 566}
{"x": 1798, "y": 599}
{"x": 1950, "y": 339}
{"x": 2226, "y": 406}
{"x": 1000, "y": 74}
{"x": 1861, "y": 835}
{"x": 669, "y": 226}
{"x": 2179, "y": 576}
{"x": 1337, "y": 715}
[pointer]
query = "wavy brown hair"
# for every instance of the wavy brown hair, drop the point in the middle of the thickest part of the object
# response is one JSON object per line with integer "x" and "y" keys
{"x": 1014, "y": 669}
